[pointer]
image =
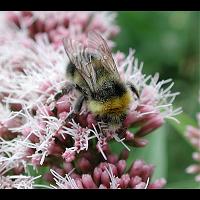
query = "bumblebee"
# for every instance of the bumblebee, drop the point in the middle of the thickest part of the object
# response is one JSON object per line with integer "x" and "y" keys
{"x": 93, "y": 72}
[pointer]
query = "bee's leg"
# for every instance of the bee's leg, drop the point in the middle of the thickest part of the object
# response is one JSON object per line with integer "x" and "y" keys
{"x": 133, "y": 89}
{"x": 65, "y": 90}
{"x": 77, "y": 108}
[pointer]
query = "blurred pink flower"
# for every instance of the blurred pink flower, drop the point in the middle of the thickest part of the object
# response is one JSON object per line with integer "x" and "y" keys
{"x": 59, "y": 24}
{"x": 193, "y": 135}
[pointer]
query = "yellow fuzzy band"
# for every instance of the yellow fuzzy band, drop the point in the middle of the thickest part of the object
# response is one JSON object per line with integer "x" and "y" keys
{"x": 115, "y": 105}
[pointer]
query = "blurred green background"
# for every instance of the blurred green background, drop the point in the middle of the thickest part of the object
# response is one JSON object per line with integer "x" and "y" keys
{"x": 168, "y": 43}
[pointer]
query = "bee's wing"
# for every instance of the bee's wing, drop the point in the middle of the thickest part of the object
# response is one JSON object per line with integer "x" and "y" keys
{"x": 97, "y": 44}
{"x": 79, "y": 56}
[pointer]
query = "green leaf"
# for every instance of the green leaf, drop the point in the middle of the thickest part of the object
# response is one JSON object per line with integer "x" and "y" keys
{"x": 154, "y": 153}
{"x": 184, "y": 185}
{"x": 185, "y": 120}
{"x": 39, "y": 171}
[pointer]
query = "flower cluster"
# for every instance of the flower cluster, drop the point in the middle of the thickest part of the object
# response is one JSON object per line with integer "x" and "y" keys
{"x": 110, "y": 174}
{"x": 17, "y": 182}
{"x": 76, "y": 152}
{"x": 193, "y": 134}
{"x": 57, "y": 24}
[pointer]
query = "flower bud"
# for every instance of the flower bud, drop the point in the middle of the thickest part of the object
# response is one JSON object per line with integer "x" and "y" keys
{"x": 88, "y": 182}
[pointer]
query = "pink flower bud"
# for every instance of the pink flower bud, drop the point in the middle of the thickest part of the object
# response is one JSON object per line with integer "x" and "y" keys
{"x": 12, "y": 123}
{"x": 102, "y": 187}
{"x": 31, "y": 136}
{"x": 193, "y": 169}
{"x": 63, "y": 104}
{"x": 44, "y": 87}
{"x": 84, "y": 165}
{"x": 52, "y": 34}
{"x": 75, "y": 176}
{"x": 97, "y": 175}
{"x": 135, "y": 181}
{"x": 13, "y": 17}
{"x": 32, "y": 30}
{"x": 197, "y": 178}
{"x": 48, "y": 177}
{"x": 150, "y": 125}
{"x": 67, "y": 167}
{"x": 50, "y": 24}
{"x": 129, "y": 136}
{"x": 136, "y": 168}
{"x": 39, "y": 25}
{"x": 193, "y": 132}
{"x": 90, "y": 120}
{"x": 130, "y": 119}
{"x": 196, "y": 156}
{"x": 60, "y": 171}
{"x": 29, "y": 152}
{"x": 160, "y": 183}
{"x": 68, "y": 156}
{"x": 88, "y": 182}
{"x": 36, "y": 160}
{"x": 18, "y": 170}
{"x": 113, "y": 169}
{"x": 141, "y": 185}
{"x": 46, "y": 110}
{"x": 61, "y": 30}
{"x": 121, "y": 166}
{"x": 82, "y": 119}
{"x": 147, "y": 171}
{"x": 62, "y": 115}
{"x": 124, "y": 154}
{"x": 26, "y": 13}
{"x": 15, "y": 106}
{"x": 124, "y": 181}
{"x": 56, "y": 38}
{"x": 79, "y": 183}
{"x": 114, "y": 32}
{"x": 112, "y": 158}
{"x": 103, "y": 165}
{"x": 139, "y": 142}
{"x": 65, "y": 21}
{"x": 88, "y": 155}
{"x": 105, "y": 179}
{"x": 54, "y": 149}
{"x": 4, "y": 132}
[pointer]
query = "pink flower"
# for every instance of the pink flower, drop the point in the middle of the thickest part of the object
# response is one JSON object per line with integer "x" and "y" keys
{"x": 107, "y": 175}
{"x": 193, "y": 135}
{"x": 59, "y": 24}
{"x": 45, "y": 132}
{"x": 33, "y": 130}
{"x": 17, "y": 182}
